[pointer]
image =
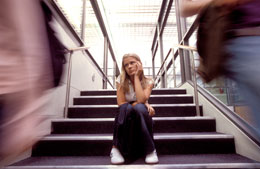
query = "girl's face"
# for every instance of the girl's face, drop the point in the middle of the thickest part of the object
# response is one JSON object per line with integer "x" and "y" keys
{"x": 130, "y": 65}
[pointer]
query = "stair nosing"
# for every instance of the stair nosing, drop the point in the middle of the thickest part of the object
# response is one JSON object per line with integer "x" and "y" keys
{"x": 114, "y": 96}
{"x": 115, "y": 105}
{"x": 154, "y": 118}
{"x": 109, "y": 137}
{"x": 115, "y": 89}
{"x": 156, "y": 166}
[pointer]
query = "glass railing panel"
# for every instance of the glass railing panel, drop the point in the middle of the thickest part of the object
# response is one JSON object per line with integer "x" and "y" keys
{"x": 217, "y": 88}
{"x": 190, "y": 20}
{"x": 158, "y": 86}
{"x": 157, "y": 61}
{"x": 178, "y": 71}
{"x": 170, "y": 78}
{"x": 111, "y": 80}
{"x": 93, "y": 35}
{"x": 148, "y": 72}
{"x": 226, "y": 91}
{"x": 170, "y": 33}
{"x": 111, "y": 69}
{"x": 193, "y": 39}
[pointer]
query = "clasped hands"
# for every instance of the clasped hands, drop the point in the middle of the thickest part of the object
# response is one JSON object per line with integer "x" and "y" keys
{"x": 149, "y": 108}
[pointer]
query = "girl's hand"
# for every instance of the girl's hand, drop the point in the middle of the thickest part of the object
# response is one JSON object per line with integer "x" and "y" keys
{"x": 139, "y": 70}
{"x": 150, "y": 109}
{"x": 135, "y": 103}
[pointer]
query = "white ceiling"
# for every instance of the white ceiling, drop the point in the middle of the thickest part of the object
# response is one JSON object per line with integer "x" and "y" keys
{"x": 132, "y": 25}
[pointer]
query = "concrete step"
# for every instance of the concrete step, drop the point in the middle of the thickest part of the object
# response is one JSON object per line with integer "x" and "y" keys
{"x": 113, "y": 92}
{"x": 109, "y": 111}
{"x": 166, "y": 144}
{"x": 161, "y": 125}
{"x": 183, "y": 161}
{"x": 111, "y": 100}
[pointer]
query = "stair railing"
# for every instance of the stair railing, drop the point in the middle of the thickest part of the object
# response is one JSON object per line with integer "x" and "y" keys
{"x": 161, "y": 72}
{"x": 194, "y": 79}
{"x": 71, "y": 51}
{"x": 164, "y": 71}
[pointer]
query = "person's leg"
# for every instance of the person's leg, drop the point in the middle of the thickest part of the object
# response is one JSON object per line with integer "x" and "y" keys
{"x": 120, "y": 118}
{"x": 146, "y": 127}
{"x": 120, "y": 134}
{"x": 244, "y": 69}
{"x": 145, "y": 124}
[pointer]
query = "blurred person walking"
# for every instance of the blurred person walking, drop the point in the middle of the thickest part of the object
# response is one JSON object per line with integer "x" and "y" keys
{"x": 242, "y": 45}
{"x": 25, "y": 75}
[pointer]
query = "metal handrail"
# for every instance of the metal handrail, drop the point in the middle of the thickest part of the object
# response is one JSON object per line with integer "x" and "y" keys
{"x": 164, "y": 61}
{"x": 172, "y": 49}
{"x": 191, "y": 50}
{"x": 78, "y": 49}
{"x": 58, "y": 14}
{"x": 163, "y": 64}
{"x": 187, "y": 47}
{"x": 71, "y": 51}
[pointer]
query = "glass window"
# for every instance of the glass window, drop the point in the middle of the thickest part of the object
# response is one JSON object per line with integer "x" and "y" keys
{"x": 170, "y": 33}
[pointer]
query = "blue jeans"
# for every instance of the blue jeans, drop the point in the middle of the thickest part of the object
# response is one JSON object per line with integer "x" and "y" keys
{"x": 244, "y": 69}
{"x": 133, "y": 131}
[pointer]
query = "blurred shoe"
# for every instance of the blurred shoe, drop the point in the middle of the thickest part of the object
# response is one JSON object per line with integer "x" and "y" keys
{"x": 152, "y": 158}
{"x": 116, "y": 157}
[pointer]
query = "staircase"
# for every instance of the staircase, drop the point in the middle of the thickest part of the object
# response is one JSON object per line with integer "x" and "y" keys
{"x": 182, "y": 139}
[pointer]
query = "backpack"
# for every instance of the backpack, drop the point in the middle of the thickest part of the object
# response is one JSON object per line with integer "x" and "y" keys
{"x": 213, "y": 25}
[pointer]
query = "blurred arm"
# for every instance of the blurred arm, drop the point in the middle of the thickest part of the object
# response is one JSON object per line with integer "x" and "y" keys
{"x": 193, "y": 7}
{"x": 190, "y": 7}
{"x": 120, "y": 95}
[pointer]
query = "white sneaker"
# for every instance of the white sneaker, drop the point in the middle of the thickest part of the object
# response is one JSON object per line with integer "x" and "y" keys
{"x": 152, "y": 158}
{"x": 116, "y": 157}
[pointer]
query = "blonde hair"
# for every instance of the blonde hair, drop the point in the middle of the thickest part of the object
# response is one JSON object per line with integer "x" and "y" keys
{"x": 124, "y": 77}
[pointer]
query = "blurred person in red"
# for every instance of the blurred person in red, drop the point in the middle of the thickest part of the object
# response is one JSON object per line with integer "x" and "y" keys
{"x": 25, "y": 75}
{"x": 242, "y": 45}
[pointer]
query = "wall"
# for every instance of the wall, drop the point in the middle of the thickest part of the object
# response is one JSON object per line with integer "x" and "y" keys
{"x": 84, "y": 75}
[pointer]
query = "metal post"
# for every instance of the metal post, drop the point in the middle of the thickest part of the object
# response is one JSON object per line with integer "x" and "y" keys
{"x": 196, "y": 99}
{"x": 153, "y": 68}
{"x": 68, "y": 85}
{"x": 173, "y": 66}
{"x": 187, "y": 64}
{"x": 160, "y": 49}
{"x": 114, "y": 73}
{"x": 105, "y": 61}
{"x": 83, "y": 21}
{"x": 179, "y": 30}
